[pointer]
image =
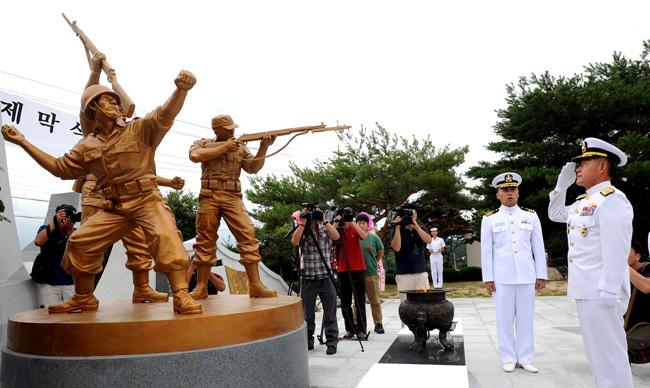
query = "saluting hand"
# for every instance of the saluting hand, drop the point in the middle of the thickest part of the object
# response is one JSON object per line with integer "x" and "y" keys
{"x": 567, "y": 176}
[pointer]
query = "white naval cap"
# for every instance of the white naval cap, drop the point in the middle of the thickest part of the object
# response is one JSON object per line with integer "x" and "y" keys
{"x": 594, "y": 148}
{"x": 507, "y": 179}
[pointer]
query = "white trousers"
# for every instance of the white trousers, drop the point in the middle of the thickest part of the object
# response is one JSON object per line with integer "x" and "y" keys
{"x": 414, "y": 281}
{"x": 515, "y": 308}
{"x": 436, "y": 270}
{"x": 48, "y": 294}
{"x": 605, "y": 344}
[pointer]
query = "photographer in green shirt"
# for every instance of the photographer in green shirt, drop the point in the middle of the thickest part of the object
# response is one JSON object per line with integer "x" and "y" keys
{"x": 373, "y": 252}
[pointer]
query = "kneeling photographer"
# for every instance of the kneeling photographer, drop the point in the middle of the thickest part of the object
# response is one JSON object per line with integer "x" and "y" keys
{"x": 351, "y": 267}
{"x": 409, "y": 242}
{"x": 55, "y": 284}
{"x": 311, "y": 230}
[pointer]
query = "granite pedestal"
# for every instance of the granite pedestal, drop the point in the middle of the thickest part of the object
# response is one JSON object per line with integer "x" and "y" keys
{"x": 236, "y": 342}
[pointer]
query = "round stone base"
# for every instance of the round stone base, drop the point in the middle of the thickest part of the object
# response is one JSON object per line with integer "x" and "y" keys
{"x": 279, "y": 361}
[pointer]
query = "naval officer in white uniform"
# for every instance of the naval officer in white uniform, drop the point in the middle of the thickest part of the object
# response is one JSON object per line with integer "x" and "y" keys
{"x": 513, "y": 263}
{"x": 599, "y": 229}
{"x": 436, "y": 247}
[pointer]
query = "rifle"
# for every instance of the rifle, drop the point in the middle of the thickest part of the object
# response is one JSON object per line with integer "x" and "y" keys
{"x": 297, "y": 130}
{"x": 128, "y": 107}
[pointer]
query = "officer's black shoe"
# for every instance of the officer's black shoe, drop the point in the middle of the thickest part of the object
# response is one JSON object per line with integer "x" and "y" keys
{"x": 331, "y": 349}
{"x": 310, "y": 343}
{"x": 379, "y": 329}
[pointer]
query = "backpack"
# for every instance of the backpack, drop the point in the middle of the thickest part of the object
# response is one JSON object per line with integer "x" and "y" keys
{"x": 43, "y": 267}
{"x": 638, "y": 343}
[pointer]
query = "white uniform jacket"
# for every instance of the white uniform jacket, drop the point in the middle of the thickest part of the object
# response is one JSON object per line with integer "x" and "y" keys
{"x": 512, "y": 246}
{"x": 436, "y": 244}
{"x": 599, "y": 228}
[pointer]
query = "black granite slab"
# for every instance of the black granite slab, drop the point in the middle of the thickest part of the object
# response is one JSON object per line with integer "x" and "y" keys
{"x": 400, "y": 353}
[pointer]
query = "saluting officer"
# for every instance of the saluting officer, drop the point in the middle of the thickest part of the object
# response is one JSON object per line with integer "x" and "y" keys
{"x": 599, "y": 229}
{"x": 513, "y": 262}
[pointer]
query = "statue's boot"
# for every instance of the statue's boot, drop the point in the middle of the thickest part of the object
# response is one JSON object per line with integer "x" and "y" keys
{"x": 256, "y": 289}
{"x": 201, "y": 289}
{"x": 142, "y": 292}
{"x": 83, "y": 298}
{"x": 183, "y": 302}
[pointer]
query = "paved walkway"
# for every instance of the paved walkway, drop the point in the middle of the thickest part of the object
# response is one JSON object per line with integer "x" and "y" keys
{"x": 559, "y": 352}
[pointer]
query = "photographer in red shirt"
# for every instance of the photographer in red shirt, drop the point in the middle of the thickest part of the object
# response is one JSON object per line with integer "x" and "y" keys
{"x": 351, "y": 269}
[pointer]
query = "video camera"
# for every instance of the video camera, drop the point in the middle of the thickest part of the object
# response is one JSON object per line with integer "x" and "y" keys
{"x": 404, "y": 212}
{"x": 312, "y": 212}
{"x": 346, "y": 213}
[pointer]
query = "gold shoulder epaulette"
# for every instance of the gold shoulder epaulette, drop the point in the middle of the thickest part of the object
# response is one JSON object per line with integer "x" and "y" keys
{"x": 491, "y": 212}
{"x": 607, "y": 191}
{"x": 581, "y": 196}
{"x": 527, "y": 209}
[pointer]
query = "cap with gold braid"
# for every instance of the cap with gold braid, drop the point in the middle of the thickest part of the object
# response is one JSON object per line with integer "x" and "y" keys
{"x": 507, "y": 179}
{"x": 596, "y": 148}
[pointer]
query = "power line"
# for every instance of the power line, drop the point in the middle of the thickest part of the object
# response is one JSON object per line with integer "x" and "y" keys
{"x": 74, "y": 107}
{"x": 31, "y": 199}
{"x": 79, "y": 94}
{"x": 38, "y": 82}
{"x": 32, "y": 217}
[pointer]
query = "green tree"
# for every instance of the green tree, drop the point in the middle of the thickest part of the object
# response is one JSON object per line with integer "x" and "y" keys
{"x": 373, "y": 171}
{"x": 278, "y": 198}
{"x": 184, "y": 205}
{"x": 544, "y": 123}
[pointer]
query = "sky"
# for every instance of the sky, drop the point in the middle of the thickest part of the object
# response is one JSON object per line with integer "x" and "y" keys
{"x": 419, "y": 68}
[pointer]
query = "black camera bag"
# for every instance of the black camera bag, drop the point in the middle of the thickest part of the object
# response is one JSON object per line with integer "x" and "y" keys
{"x": 43, "y": 267}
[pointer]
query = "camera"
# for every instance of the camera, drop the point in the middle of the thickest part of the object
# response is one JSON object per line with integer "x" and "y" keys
{"x": 346, "y": 213}
{"x": 404, "y": 212}
{"x": 312, "y": 212}
{"x": 70, "y": 213}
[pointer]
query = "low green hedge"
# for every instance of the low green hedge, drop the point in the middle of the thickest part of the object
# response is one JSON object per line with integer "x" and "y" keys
{"x": 466, "y": 274}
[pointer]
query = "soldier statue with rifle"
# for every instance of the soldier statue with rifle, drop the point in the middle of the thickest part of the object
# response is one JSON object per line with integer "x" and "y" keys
{"x": 222, "y": 160}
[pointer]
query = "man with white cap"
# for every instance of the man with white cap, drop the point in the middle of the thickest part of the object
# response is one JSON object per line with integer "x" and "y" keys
{"x": 436, "y": 247}
{"x": 599, "y": 229}
{"x": 513, "y": 263}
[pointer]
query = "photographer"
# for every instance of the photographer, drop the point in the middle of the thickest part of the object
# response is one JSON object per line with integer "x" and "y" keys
{"x": 52, "y": 238}
{"x": 315, "y": 278}
{"x": 409, "y": 242}
{"x": 351, "y": 266}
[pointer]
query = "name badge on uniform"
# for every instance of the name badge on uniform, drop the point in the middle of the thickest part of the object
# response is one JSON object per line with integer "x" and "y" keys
{"x": 588, "y": 210}
{"x": 525, "y": 221}
{"x": 583, "y": 232}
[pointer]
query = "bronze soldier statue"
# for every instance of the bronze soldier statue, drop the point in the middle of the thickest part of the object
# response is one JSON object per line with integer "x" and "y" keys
{"x": 222, "y": 160}
{"x": 120, "y": 155}
{"x": 138, "y": 258}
